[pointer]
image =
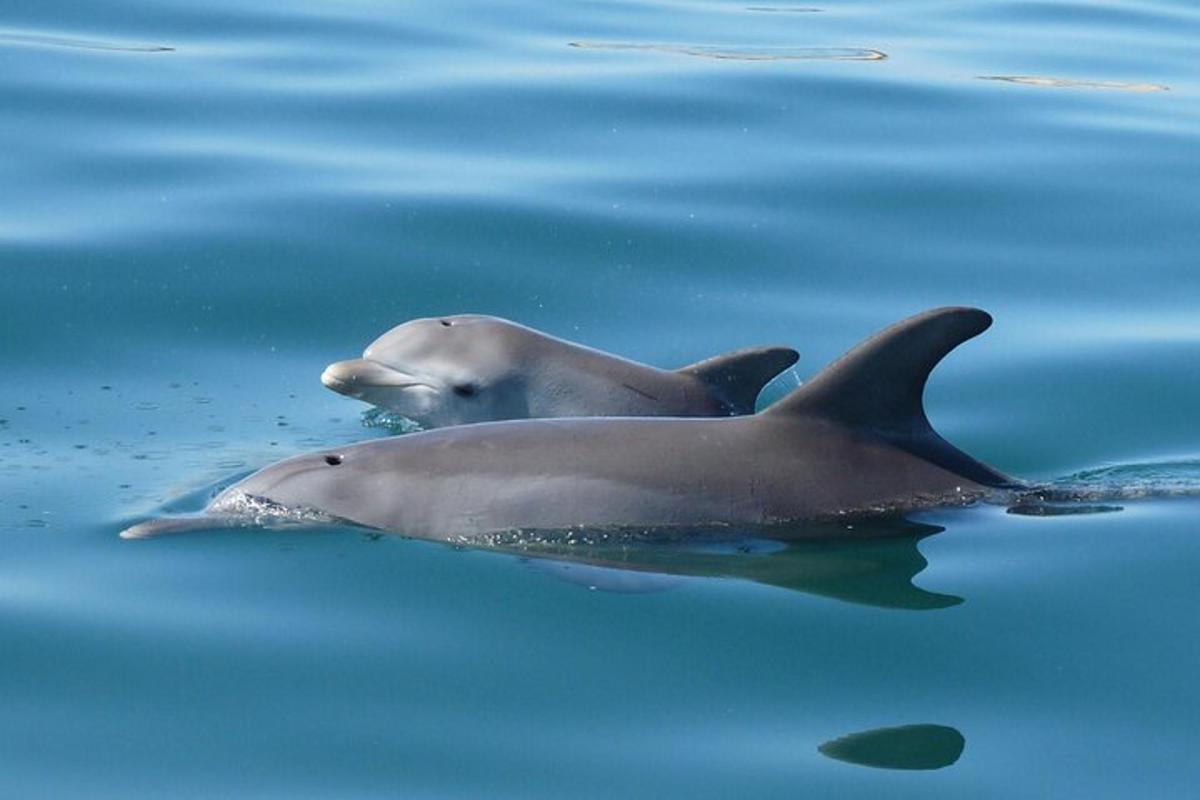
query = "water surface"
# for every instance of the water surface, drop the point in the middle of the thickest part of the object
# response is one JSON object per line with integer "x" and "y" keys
{"x": 206, "y": 203}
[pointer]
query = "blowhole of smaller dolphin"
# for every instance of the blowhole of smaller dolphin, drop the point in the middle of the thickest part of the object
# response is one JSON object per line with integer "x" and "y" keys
{"x": 333, "y": 460}
{"x": 465, "y": 389}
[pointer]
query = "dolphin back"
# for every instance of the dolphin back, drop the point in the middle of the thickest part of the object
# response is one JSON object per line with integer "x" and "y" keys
{"x": 879, "y": 386}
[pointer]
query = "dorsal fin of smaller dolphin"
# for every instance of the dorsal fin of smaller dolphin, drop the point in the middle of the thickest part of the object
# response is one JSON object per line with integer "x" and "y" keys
{"x": 740, "y": 376}
{"x": 879, "y": 387}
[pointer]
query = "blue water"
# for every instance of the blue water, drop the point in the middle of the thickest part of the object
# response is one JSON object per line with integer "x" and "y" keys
{"x": 205, "y": 203}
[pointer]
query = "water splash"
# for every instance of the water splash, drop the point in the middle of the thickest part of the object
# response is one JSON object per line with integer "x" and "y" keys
{"x": 234, "y": 510}
{"x": 744, "y": 53}
{"x": 389, "y": 421}
{"x": 1179, "y": 478}
{"x": 259, "y": 511}
{"x": 1093, "y": 491}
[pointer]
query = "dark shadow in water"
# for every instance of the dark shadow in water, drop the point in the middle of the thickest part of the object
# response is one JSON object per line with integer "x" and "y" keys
{"x": 923, "y": 746}
{"x": 873, "y": 564}
{"x": 84, "y": 44}
{"x": 1040, "y": 509}
{"x": 744, "y": 53}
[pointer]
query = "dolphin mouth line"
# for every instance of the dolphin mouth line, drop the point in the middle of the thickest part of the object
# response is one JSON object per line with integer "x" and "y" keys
{"x": 349, "y": 376}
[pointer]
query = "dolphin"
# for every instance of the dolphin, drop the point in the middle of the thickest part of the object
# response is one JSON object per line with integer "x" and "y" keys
{"x": 854, "y": 440}
{"x": 474, "y": 368}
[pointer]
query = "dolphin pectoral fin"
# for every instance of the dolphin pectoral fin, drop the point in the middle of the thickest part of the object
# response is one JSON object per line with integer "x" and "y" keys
{"x": 738, "y": 377}
{"x": 879, "y": 387}
{"x": 164, "y": 525}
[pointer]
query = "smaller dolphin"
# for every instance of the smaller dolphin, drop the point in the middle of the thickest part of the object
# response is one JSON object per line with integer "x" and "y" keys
{"x": 474, "y": 368}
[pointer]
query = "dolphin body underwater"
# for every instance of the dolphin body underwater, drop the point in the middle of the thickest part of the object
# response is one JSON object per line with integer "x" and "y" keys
{"x": 473, "y": 368}
{"x": 853, "y": 441}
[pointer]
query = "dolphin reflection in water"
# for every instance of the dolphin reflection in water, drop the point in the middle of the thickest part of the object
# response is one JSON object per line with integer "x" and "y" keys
{"x": 872, "y": 565}
{"x": 909, "y": 747}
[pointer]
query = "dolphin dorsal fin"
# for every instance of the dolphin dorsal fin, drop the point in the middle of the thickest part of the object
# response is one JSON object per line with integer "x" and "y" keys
{"x": 738, "y": 377}
{"x": 879, "y": 384}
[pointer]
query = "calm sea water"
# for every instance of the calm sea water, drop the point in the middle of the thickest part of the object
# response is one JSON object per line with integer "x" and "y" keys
{"x": 207, "y": 202}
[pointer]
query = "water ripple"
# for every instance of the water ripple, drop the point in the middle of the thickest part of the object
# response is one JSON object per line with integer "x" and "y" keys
{"x": 1069, "y": 83}
{"x": 784, "y": 9}
{"x": 36, "y": 39}
{"x": 744, "y": 53}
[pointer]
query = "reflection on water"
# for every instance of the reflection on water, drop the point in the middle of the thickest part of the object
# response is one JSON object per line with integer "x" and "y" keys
{"x": 86, "y": 44}
{"x": 1068, "y": 83}
{"x": 745, "y": 53}
{"x": 924, "y": 746}
{"x": 872, "y": 565}
{"x": 784, "y": 9}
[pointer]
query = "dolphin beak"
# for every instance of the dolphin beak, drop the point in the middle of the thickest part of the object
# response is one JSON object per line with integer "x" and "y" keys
{"x": 185, "y": 524}
{"x": 349, "y": 377}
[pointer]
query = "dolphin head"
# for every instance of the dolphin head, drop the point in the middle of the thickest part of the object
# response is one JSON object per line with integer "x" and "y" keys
{"x": 443, "y": 371}
{"x": 328, "y": 486}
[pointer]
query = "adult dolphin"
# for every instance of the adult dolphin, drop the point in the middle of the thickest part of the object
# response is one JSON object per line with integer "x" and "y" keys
{"x": 854, "y": 440}
{"x": 474, "y": 368}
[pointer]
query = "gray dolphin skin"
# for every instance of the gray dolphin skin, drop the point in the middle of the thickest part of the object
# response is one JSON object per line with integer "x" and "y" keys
{"x": 852, "y": 441}
{"x": 473, "y": 368}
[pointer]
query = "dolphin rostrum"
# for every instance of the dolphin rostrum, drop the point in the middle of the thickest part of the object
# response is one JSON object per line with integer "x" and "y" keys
{"x": 473, "y": 368}
{"x": 852, "y": 441}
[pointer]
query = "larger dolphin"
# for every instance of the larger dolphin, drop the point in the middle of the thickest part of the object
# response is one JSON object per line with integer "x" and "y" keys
{"x": 475, "y": 368}
{"x": 854, "y": 440}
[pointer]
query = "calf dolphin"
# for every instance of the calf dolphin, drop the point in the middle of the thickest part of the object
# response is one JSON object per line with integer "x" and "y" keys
{"x": 474, "y": 368}
{"x": 854, "y": 440}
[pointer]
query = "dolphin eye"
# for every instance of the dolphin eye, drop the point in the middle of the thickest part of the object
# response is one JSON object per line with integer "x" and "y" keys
{"x": 333, "y": 461}
{"x": 446, "y": 323}
{"x": 464, "y": 389}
